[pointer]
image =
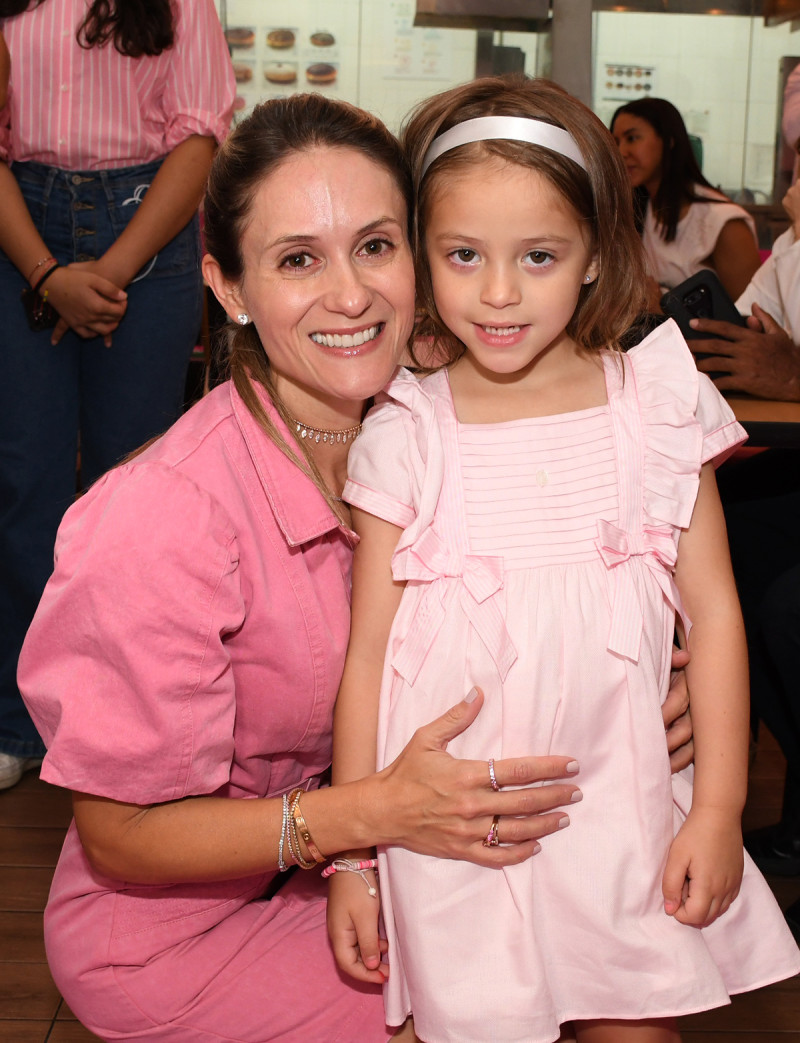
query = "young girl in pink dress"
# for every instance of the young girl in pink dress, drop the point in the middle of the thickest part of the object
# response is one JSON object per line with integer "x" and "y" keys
{"x": 535, "y": 515}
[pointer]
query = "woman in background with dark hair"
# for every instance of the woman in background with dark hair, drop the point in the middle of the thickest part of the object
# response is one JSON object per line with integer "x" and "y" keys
{"x": 111, "y": 119}
{"x": 686, "y": 224}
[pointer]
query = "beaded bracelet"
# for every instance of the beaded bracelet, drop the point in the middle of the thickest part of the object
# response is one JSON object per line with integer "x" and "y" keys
{"x": 305, "y": 833}
{"x": 349, "y": 865}
{"x": 37, "y": 266}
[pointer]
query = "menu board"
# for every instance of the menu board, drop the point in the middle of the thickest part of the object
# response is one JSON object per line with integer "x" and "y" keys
{"x": 284, "y": 46}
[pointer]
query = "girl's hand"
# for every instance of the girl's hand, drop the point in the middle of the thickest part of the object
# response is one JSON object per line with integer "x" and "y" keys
{"x": 704, "y": 867}
{"x": 434, "y": 804}
{"x": 86, "y": 301}
{"x": 353, "y": 927}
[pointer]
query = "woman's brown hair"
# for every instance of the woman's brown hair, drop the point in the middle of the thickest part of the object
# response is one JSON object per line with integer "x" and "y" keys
{"x": 600, "y": 196}
{"x": 273, "y": 132}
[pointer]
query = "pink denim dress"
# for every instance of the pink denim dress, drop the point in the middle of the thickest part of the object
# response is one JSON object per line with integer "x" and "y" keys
{"x": 191, "y": 641}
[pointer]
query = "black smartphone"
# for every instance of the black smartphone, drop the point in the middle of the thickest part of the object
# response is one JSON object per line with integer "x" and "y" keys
{"x": 701, "y": 296}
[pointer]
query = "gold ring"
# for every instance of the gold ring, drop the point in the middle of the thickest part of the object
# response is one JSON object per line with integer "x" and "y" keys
{"x": 492, "y": 838}
{"x": 492, "y": 776}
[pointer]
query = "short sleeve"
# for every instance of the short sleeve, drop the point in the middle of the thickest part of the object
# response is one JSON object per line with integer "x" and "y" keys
{"x": 686, "y": 423}
{"x": 124, "y": 669}
{"x": 201, "y": 88}
{"x": 380, "y": 468}
{"x": 722, "y": 433}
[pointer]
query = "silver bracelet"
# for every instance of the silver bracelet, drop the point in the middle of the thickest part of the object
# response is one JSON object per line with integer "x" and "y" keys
{"x": 284, "y": 826}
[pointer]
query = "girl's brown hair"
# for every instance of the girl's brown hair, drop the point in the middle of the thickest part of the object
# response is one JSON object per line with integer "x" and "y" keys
{"x": 600, "y": 196}
{"x": 273, "y": 132}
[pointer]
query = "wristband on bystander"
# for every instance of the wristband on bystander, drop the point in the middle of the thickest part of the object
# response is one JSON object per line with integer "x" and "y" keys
{"x": 45, "y": 277}
{"x": 36, "y": 268}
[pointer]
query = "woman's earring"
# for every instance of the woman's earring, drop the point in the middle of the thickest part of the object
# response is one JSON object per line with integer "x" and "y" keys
{"x": 588, "y": 278}
{"x": 243, "y": 318}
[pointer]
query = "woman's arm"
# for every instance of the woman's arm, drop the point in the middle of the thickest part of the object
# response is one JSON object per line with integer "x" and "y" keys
{"x": 426, "y": 801}
{"x": 89, "y": 302}
{"x": 735, "y": 257}
{"x": 704, "y": 867}
{"x": 166, "y": 208}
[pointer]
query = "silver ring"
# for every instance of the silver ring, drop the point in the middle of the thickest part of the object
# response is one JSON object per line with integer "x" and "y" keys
{"x": 492, "y": 838}
{"x": 492, "y": 777}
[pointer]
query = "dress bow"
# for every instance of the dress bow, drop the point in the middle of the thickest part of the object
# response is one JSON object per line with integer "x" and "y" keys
{"x": 427, "y": 561}
{"x": 655, "y": 545}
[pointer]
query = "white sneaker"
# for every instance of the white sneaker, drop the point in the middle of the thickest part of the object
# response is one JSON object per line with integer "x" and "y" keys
{"x": 13, "y": 768}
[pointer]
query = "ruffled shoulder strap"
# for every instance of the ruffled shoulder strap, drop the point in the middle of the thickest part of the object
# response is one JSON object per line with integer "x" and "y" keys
{"x": 661, "y": 373}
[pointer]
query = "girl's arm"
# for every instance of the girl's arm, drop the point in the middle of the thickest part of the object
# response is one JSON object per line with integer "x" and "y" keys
{"x": 352, "y": 912}
{"x": 704, "y": 867}
{"x": 735, "y": 258}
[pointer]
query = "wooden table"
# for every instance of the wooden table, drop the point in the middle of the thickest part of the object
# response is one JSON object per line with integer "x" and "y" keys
{"x": 774, "y": 424}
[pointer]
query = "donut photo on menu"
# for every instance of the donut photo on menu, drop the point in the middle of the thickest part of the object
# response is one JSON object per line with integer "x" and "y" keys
{"x": 243, "y": 71}
{"x": 241, "y": 36}
{"x": 321, "y": 73}
{"x": 322, "y": 39}
{"x": 280, "y": 72}
{"x": 280, "y": 39}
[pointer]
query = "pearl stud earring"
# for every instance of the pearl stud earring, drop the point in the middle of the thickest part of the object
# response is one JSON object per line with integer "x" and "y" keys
{"x": 243, "y": 318}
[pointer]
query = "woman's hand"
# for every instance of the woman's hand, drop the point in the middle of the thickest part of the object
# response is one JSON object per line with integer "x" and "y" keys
{"x": 430, "y": 802}
{"x": 86, "y": 301}
{"x": 677, "y": 715}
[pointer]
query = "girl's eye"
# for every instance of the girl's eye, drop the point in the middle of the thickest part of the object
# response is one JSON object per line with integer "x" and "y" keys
{"x": 297, "y": 260}
{"x": 539, "y": 258}
{"x": 464, "y": 256}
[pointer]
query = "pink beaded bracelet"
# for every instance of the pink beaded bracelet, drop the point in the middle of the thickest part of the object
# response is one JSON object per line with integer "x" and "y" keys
{"x": 350, "y": 865}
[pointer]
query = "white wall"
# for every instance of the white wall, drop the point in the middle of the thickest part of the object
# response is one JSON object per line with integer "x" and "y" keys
{"x": 721, "y": 72}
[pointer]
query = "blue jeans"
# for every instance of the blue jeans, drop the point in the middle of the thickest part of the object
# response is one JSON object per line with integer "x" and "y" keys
{"x": 108, "y": 400}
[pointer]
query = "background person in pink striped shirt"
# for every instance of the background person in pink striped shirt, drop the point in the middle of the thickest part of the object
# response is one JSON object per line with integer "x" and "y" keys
{"x": 110, "y": 119}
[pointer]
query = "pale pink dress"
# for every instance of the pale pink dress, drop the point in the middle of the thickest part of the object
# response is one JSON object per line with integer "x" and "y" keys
{"x": 538, "y": 556}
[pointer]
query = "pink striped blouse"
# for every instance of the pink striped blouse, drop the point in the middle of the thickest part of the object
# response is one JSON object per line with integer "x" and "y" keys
{"x": 94, "y": 109}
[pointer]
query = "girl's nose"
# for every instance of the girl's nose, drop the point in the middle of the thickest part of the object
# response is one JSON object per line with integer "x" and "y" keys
{"x": 500, "y": 287}
{"x": 348, "y": 292}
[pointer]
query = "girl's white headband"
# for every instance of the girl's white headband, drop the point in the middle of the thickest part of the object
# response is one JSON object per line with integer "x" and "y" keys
{"x": 509, "y": 128}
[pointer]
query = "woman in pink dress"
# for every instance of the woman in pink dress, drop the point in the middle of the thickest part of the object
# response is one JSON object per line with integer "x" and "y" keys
{"x": 184, "y": 660}
{"x": 534, "y": 516}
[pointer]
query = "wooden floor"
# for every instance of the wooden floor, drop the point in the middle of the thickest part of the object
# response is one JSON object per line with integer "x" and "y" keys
{"x": 34, "y": 818}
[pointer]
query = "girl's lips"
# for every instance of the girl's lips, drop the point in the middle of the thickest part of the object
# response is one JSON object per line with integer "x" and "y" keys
{"x": 501, "y": 336}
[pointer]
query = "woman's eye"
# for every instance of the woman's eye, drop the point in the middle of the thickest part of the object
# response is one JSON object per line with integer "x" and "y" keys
{"x": 464, "y": 256}
{"x": 298, "y": 260}
{"x": 376, "y": 247}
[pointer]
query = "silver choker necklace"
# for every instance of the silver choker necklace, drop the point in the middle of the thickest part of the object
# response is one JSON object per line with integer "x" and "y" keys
{"x": 320, "y": 434}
